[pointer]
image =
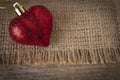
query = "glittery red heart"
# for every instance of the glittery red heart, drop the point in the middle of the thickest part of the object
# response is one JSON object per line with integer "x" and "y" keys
{"x": 33, "y": 27}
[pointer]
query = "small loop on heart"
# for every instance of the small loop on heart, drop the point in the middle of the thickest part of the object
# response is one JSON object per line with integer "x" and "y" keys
{"x": 18, "y": 8}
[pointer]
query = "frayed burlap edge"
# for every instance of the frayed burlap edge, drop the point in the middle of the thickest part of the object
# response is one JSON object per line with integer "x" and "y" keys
{"x": 74, "y": 56}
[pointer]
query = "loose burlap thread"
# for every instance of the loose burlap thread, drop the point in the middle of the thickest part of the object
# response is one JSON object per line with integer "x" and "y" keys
{"x": 84, "y": 32}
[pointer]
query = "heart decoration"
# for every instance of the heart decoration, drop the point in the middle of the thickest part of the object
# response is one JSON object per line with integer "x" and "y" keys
{"x": 31, "y": 27}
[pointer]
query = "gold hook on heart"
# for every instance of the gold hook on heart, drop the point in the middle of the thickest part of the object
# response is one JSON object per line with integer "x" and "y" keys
{"x": 6, "y": 4}
{"x": 19, "y": 9}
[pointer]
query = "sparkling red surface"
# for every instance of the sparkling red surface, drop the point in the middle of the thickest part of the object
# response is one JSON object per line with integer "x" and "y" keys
{"x": 33, "y": 27}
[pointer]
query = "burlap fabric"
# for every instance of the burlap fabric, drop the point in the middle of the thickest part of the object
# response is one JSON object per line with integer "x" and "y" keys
{"x": 84, "y": 31}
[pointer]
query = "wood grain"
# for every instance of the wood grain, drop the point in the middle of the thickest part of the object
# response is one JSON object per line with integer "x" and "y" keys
{"x": 62, "y": 72}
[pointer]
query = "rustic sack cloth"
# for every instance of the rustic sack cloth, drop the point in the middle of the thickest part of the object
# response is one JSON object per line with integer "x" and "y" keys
{"x": 84, "y": 31}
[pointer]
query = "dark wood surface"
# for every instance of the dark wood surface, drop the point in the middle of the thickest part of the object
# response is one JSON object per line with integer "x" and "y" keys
{"x": 62, "y": 72}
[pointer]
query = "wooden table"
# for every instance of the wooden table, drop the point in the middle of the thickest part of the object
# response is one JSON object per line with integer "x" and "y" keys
{"x": 62, "y": 72}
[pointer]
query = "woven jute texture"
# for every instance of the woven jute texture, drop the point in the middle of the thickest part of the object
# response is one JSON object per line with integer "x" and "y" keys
{"x": 84, "y": 32}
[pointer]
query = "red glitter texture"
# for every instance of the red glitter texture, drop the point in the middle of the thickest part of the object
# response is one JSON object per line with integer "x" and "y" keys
{"x": 33, "y": 27}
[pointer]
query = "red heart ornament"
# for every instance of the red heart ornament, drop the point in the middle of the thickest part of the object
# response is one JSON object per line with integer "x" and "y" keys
{"x": 33, "y": 27}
